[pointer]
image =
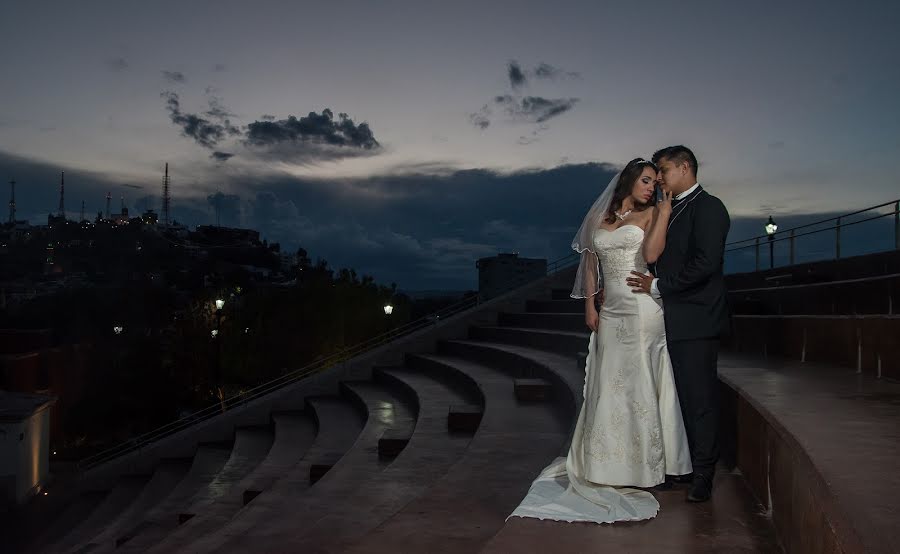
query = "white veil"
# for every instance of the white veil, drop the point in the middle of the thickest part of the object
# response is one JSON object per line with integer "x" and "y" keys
{"x": 588, "y": 279}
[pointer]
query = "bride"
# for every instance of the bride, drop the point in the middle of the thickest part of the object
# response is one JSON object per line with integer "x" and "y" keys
{"x": 629, "y": 432}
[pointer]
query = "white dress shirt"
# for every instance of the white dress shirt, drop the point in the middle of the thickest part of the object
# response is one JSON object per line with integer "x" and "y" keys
{"x": 654, "y": 288}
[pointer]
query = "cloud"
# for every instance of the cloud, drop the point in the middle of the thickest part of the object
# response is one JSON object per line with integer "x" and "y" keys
{"x": 527, "y": 109}
{"x": 534, "y": 109}
{"x": 516, "y": 76}
{"x": 217, "y": 110}
{"x": 316, "y": 136}
{"x": 206, "y": 133}
{"x": 219, "y": 67}
{"x": 117, "y": 64}
{"x": 547, "y": 71}
{"x": 267, "y": 117}
{"x": 221, "y": 156}
{"x": 174, "y": 77}
{"x": 481, "y": 118}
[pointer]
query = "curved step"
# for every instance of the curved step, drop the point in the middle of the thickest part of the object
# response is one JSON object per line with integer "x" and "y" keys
{"x": 71, "y": 517}
{"x": 165, "y": 478}
{"x": 251, "y": 444}
{"x": 569, "y": 306}
{"x": 564, "y": 373}
{"x": 117, "y": 501}
{"x": 560, "y": 341}
{"x": 544, "y": 320}
{"x": 339, "y": 487}
{"x": 430, "y": 453}
{"x": 294, "y": 434}
{"x": 339, "y": 425}
{"x": 467, "y": 505}
{"x": 208, "y": 462}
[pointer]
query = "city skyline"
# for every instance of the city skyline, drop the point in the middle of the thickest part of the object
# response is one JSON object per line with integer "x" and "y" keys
{"x": 789, "y": 108}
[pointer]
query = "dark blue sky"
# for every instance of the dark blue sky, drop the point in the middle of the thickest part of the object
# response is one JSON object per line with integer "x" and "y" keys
{"x": 468, "y": 127}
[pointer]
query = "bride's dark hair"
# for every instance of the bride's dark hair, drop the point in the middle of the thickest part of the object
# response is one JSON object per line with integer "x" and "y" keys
{"x": 625, "y": 185}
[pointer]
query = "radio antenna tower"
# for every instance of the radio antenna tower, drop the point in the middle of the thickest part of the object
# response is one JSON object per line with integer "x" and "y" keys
{"x": 12, "y": 201}
{"x": 108, "y": 198}
{"x": 82, "y": 210}
{"x": 62, "y": 194}
{"x": 166, "y": 199}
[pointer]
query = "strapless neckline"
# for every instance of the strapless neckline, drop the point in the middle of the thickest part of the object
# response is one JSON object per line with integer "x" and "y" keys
{"x": 620, "y": 228}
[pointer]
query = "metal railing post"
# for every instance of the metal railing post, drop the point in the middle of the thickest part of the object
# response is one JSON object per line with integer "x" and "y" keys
{"x": 792, "y": 248}
{"x": 757, "y": 253}
{"x": 897, "y": 225}
{"x": 837, "y": 239}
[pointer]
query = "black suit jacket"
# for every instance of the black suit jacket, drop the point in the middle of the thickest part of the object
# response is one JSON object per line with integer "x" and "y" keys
{"x": 690, "y": 269}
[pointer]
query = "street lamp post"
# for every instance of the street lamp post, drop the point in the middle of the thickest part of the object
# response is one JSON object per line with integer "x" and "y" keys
{"x": 771, "y": 227}
{"x": 220, "y": 303}
{"x": 388, "y": 310}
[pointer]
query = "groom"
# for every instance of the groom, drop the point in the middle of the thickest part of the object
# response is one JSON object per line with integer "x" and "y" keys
{"x": 691, "y": 284}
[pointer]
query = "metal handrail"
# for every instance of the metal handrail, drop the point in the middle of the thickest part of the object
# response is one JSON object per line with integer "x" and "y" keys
{"x": 281, "y": 381}
{"x": 835, "y": 218}
{"x": 791, "y": 234}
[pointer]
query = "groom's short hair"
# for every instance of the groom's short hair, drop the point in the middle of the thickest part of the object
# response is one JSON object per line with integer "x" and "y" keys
{"x": 676, "y": 154}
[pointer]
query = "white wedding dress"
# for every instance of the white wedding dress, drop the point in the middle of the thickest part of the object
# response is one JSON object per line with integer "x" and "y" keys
{"x": 630, "y": 432}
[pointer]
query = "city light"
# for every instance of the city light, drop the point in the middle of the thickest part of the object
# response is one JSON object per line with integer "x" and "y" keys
{"x": 118, "y": 329}
{"x": 220, "y": 304}
{"x": 771, "y": 227}
{"x": 214, "y": 333}
{"x": 388, "y": 309}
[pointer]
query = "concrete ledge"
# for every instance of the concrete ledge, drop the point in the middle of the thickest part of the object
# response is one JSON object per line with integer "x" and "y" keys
{"x": 533, "y": 390}
{"x": 464, "y": 419}
{"x": 392, "y": 443}
{"x": 249, "y": 495}
{"x": 819, "y": 447}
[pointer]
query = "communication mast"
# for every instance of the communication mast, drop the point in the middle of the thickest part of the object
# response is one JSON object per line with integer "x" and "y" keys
{"x": 12, "y": 201}
{"x": 166, "y": 199}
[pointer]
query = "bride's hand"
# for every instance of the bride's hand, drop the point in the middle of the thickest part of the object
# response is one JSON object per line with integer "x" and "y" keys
{"x": 664, "y": 204}
{"x": 592, "y": 319}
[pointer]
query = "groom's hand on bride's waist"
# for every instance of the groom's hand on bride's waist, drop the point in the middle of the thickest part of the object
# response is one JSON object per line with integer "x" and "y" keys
{"x": 639, "y": 282}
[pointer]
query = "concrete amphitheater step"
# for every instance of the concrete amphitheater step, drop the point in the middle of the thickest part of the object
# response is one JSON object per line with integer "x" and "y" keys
{"x": 467, "y": 505}
{"x": 339, "y": 424}
{"x": 165, "y": 478}
{"x": 559, "y": 341}
{"x": 387, "y": 410}
{"x": 294, "y": 434}
{"x": 118, "y": 500}
{"x": 430, "y": 452}
{"x": 251, "y": 444}
{"x": 558, "y": 321}
{"x": 569, "y": 306}
{"x": 562, "y": 372}
{"x": 209, "y": 459}
{"x": 561, "y": 294}
{"x": 79, "y": 509}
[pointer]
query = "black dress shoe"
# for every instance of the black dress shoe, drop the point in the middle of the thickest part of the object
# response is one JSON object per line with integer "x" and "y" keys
{"x": 701, "y": 489}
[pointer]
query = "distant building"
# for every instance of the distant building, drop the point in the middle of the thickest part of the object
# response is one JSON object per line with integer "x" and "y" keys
{"x": 504, "y": 272}
{"x": 150, "y": 218}
{"x": 288, "y": 261}
{"x": 24, "y": 445}
{"x": 120, "y": 218}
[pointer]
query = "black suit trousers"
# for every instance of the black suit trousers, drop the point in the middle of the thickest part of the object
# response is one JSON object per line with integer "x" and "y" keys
{"x": 694, "y": 367}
